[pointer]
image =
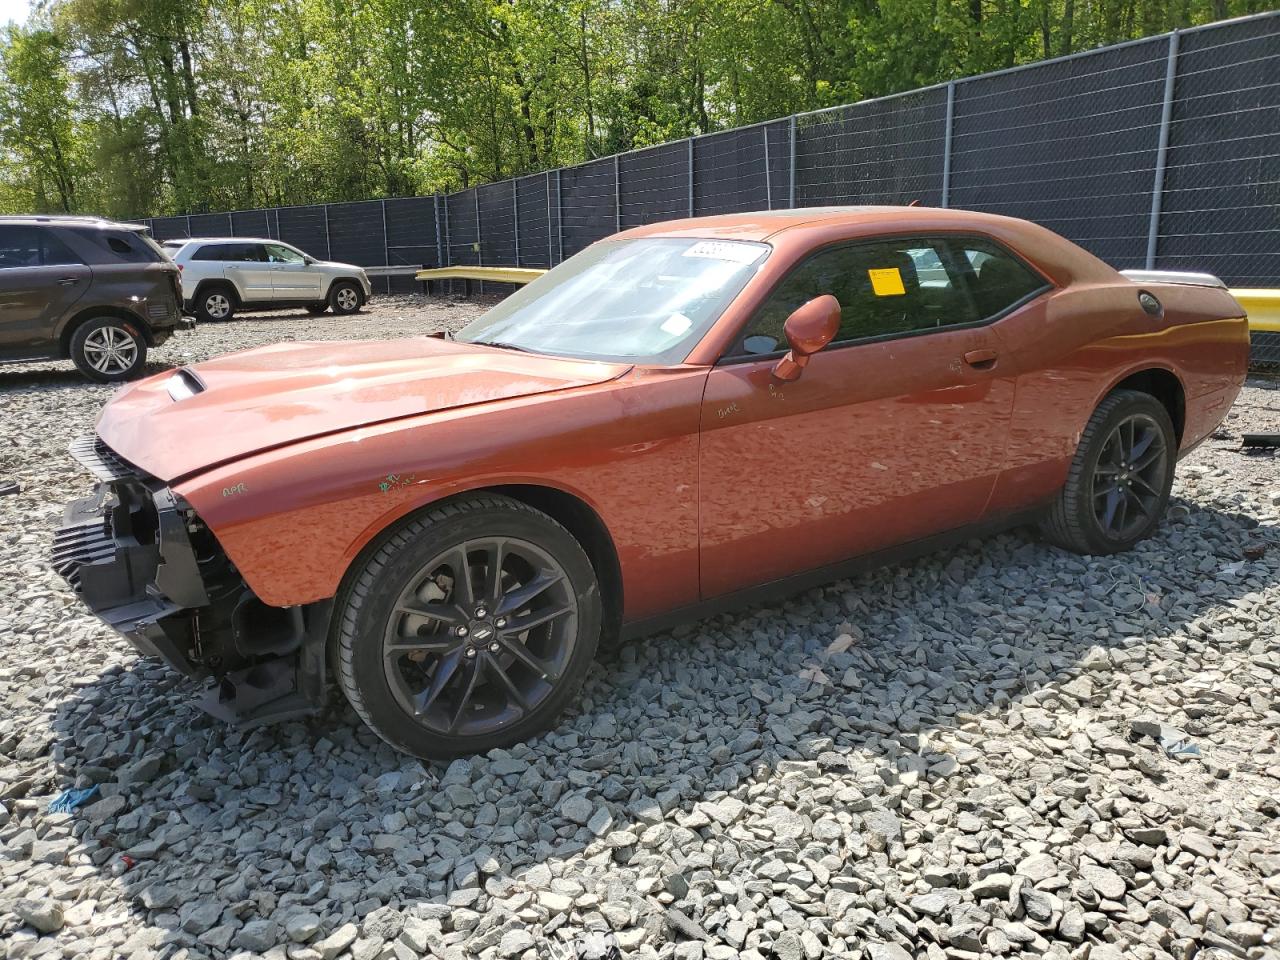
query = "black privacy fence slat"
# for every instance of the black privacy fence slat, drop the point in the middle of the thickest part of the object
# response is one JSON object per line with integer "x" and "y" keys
{"x": 306, "y": 228}
{"x": 889, "y": 151}
{"x": 209, "y": 225}
{"x": 497, "y": 202}
{"x": 356, "y": 234}
{"x": 729, "y": 172}
{"x": 1221, "y": 198}
{"x": 654, "y": 184}
{"x": 534, "y": 197}
{"x": 1072, "y": 146}
{"x": 588, "y": 204}
{"x": 253, "y": 223}
{"x": 1159, "y": 153}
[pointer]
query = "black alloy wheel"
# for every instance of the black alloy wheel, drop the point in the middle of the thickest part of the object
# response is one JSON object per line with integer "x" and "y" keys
{"x": 471, "y": 625}
{"x": 1129, "y": 480}
{"x": 480, "y": 637}
{"x": 1119, "y": 480}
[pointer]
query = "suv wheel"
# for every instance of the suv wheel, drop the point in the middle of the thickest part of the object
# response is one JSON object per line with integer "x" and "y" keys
{"x": 471, "y": 627}
{"x": 344, "y": 297}
{"x": 216, "y": 303}
{"x": 108, "y": 349}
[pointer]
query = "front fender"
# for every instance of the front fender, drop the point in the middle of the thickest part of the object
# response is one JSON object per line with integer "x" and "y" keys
{"x": 293, "y": 519}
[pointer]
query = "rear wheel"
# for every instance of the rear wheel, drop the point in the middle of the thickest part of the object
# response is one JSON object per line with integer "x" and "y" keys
{"x": 469, "y": 628}
{"x": 344, "y": 297}
{"x": 1118, "y": 486}
{"x": 216, "y": 303}
{"x": 108, "y": 349}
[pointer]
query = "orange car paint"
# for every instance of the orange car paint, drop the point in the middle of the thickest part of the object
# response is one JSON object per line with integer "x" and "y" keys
{"x": 707, "y": 477}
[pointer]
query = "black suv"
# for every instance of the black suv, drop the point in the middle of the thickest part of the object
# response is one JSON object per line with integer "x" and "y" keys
{"x": 95, "y": 291}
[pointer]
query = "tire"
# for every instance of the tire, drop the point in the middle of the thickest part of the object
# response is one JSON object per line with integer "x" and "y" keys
{"x": 1118, "y": 486}
{"x": 345, "y": 297}
{"x": 108, "y": 349}
{"x": 441, "y": 694}
{"x": 216, "y": 302}
{"x": 315, "y": 309}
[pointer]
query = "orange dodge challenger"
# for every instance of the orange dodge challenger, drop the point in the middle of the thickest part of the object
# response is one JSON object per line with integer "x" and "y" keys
{"x": 682, "y": 417}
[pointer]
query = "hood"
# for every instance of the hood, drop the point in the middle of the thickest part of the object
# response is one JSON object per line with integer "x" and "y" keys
{"x": 336, "y": 265}
{"x": 170, "y": 427}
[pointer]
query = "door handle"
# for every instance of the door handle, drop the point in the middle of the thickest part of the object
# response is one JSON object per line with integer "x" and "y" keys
{"x": 68, "y": 281}
{"x": 981, "y": 359}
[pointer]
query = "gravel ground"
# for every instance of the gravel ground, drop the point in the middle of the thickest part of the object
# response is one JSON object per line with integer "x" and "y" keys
{"x": 958, "y": 757}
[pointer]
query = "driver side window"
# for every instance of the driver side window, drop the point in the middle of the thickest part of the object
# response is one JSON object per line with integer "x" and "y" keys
{"x": 885, "y": 287}
{"x": 279, "y": 254}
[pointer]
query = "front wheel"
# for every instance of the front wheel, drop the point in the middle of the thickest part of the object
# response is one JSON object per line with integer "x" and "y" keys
{"x": 344, "y": 297}
{"x": 1118, "y": 486}
{"x": 470, "y": 627}
{"x": 107, "y": 349}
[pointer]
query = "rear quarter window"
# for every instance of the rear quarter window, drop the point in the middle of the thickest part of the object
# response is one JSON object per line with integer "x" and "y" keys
{"x": 232, "y": 252}
{"x": 131, "y": 247}
{"x": 998, "y": 280}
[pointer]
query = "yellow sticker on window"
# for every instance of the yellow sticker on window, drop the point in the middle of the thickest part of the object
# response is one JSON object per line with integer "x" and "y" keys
{"x": 886, "y": 282}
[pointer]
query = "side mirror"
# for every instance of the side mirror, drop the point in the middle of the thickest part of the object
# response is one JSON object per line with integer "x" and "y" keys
{"x": 810, "y": 328}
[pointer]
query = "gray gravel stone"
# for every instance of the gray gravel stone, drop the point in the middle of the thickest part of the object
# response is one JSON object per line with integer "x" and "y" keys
{"x": 515, "y": 942}
{"x": 338, "y": 941}
{"x": 577, "y": 809}
{"x": 41, "y": 913}
{"x": 257, "y": 936}
{"x": 301, "y": 927}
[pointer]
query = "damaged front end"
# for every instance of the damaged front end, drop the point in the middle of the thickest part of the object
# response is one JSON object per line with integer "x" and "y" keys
{"x": 140, "y": 558}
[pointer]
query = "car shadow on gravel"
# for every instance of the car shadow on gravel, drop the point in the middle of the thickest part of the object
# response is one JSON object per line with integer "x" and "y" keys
{"x": 873, "y": 692}
{"x": 58, "y": 375}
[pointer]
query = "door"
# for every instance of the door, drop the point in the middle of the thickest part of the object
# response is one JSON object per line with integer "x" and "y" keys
{"x": 292, "y": 277}
{"x": 40, "y": 281}
{"x": 895, "y": 431}
{"x": 247, "y": 266}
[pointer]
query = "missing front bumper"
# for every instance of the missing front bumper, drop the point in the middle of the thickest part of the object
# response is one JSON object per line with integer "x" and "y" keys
{"x": 142, "y": 562}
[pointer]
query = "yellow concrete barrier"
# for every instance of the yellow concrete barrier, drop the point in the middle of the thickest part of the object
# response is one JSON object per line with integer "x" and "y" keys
{"x": 1262, "y": 307}
{"x": 492, "y": 274}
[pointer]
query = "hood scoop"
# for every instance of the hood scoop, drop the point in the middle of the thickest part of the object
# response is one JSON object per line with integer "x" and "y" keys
{"x": 185, "y": 383}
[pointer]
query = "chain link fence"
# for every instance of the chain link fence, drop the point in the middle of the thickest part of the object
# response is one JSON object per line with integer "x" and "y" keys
{"x": 1158, "y": 153}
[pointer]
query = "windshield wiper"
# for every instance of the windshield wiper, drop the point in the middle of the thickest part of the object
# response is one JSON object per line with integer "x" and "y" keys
{"x": 501, "y": 346}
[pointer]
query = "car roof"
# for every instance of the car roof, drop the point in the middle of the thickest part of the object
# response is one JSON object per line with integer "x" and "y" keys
{"x": 763, "y": 224}
{"x": 802, "y": 228}
{"x": 71, "y": 220}
{"x": 223, "y": 240}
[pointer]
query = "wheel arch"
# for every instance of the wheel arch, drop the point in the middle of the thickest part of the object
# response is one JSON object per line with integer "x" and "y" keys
{"x": 1163, "y": 384}
{"x": 571, "y": 511}
{"x": 208, "y": 282}
{"x": 334, "y": 281}
{"x": 81, "y": 317}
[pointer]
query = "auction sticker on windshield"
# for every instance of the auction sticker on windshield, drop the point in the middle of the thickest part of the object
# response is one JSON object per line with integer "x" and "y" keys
{"x": 725, "y": 250}
{"x": 677, "y": 324}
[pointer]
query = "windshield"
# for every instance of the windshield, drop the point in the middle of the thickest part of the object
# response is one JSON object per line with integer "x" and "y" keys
{"x": 638, "y": 301}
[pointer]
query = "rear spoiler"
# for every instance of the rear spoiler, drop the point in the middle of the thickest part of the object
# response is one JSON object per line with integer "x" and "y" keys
{"x": 1173, "y": 276}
